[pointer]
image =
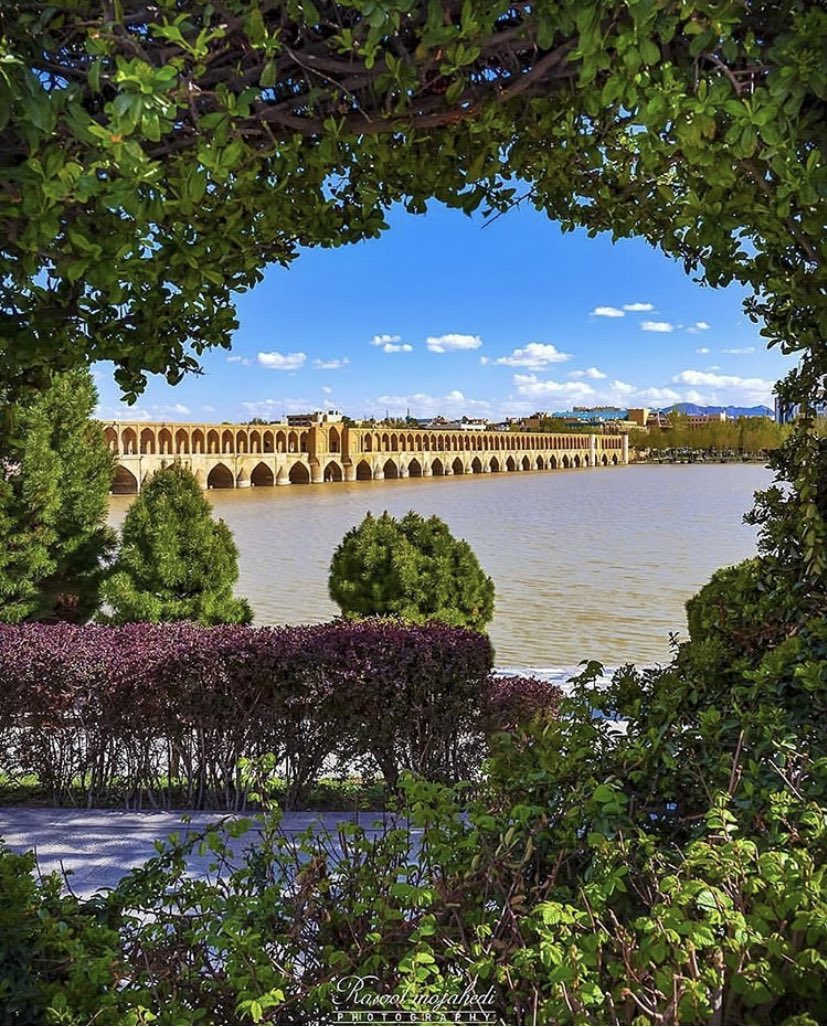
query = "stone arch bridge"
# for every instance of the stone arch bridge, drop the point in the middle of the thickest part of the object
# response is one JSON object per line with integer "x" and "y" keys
{"x": 225, "y": 456}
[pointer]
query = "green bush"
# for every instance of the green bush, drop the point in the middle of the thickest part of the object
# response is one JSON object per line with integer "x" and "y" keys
{"x": 412, "y": 568}
{"x": 175, "y": 562}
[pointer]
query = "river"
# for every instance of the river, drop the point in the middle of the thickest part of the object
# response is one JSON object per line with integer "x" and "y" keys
{"x": 590, "y": 564}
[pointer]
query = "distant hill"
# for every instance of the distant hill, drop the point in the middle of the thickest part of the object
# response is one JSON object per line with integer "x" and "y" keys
{"x": 693, "y": 408}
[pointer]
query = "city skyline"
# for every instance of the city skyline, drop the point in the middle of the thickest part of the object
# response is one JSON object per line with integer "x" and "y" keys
{"x": 445, "y": 315}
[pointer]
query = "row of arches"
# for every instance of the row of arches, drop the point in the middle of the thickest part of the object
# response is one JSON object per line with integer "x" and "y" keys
{"x": 151, "y": 441}
{"x": 220, "y": 476}
{"x": 365, "y": 471}
{"x": 471, "y": 441}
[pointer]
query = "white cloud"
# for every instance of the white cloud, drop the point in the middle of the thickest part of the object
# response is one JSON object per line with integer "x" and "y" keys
{"x": 739, "y": 350}
{"x": 391, "y": 344}
{"x": 531, "y": 385}
{"x": 208, "y": 410}
{"x": 607, "y": 312}
{"x": 590, "y": 372}
{"x": 535, "y": 354}
{"x": 235, "y": 359}
{"x": 616, "y": 393}
{"x": 282, "y": 361}
{"x": 638, "y": 308}
{"x": 326, "y": 389}
{"x": 452, "y": 341}
{"x": 703, "y": 350}
{"x": 453, "y": 404}
{"x": 657, "y": 326}
{"x": 484, "y": 361}
{"x": 331, "y": 365}
{"x": 727, "y": 389}
{"x": 699, "y": 326}
{"x": 269, "y": 408}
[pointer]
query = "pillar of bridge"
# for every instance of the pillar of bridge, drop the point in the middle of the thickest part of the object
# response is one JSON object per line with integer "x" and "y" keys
{"x": 350, "y": 472}
{"x": 242, "y": 481}
{"x": 625, "y": 449}
{"x": 378, "y": 474}
{"x": 403, "y": 472}
{"x": 316, "y": 473}
{"x": 282, "y": 478}
{"x": 427, "y": 471}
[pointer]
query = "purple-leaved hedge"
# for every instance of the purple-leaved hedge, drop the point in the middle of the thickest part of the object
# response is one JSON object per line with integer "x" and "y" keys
{"x": 161, "y": 712}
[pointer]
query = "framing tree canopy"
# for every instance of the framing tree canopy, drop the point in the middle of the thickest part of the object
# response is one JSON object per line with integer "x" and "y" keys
{"x": 155, "y": 156}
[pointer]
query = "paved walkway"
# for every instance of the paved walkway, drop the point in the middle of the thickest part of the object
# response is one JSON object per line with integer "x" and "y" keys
{"x": 95, "y": 848}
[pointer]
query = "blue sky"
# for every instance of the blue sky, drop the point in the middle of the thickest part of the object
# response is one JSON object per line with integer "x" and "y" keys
{"x": 444, "y": 315}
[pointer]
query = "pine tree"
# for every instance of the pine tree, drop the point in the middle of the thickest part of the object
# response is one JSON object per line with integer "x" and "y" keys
{"x": 55, "y": 475}
{"x": 414, "y": 569}
{"x": 175, "y": 562}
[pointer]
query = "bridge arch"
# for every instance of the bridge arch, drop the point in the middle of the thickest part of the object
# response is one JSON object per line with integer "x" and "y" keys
{"x": 129, "y": 441}
{"x": 148, "y": 441}
{"x": 111, "y": 437}
{"x": 566, "y": 461}
{"x": 526, "y": 463}
{"x": 614, "y": 459}
{"x": 124, "y": 483}
{"x": 220, "y": 477}
{"x": 476, "y": 466}
{"x": 539, "y": 463}
{"x": 197, "y": 441}
{"x": 576, "y": 459}
{"x": 334, "y": 442}
{"x": 364, "y": 472}
{"x": 227, "y": 442}
{"x": 437, "y": 467}
{"x": 390, "y": 470}
{"x": 458, "y": 467}
{"x": 262, "y": 475}
{"x": 255, "y": 441}
{"x": 494, "y": 465}
{"x": 414, "y": 468}
{"x": 553, "y": 463}
{"x": 510, "y": 465}
{"x": 333, "y": 471}
{"x": 299, "y": 474}
{"x": 182, "y": 441}
{"x": 268, "y": 442}
{"x": 213, "y": 441}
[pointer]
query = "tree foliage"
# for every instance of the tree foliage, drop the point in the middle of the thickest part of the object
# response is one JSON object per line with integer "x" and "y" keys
{"x": 156, "y": 159}
{"x": 174, "y": 562}
{"x": 55, "y": 476}
{"x": 412, "y": 568}
{"x": 745, "y": 436}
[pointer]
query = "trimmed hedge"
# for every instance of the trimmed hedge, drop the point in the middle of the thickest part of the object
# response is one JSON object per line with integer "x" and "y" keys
{"x": 164, "y": 713}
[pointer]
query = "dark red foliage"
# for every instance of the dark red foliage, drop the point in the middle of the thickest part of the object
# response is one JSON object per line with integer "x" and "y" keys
{"x": 164, "y": 712}
{"x": 512, "y": 701}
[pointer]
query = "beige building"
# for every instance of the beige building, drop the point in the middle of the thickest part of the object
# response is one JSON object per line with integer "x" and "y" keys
{"x": 225, "y": 456}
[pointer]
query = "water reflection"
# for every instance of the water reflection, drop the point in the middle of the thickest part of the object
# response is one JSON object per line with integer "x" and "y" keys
{"x": 591, "y": 564}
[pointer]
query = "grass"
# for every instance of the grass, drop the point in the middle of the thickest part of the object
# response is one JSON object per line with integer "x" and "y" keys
{"x": 349, "y": 794}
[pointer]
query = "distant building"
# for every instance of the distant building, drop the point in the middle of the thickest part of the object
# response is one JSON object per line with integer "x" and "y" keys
{"x": 463, "y": 424}
{"x": 317, "y": 417}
